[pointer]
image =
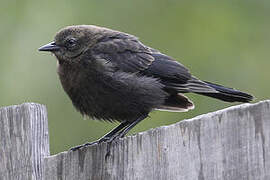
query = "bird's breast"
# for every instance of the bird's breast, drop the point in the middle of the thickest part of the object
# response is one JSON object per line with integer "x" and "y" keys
{"x": 114, "y": 96}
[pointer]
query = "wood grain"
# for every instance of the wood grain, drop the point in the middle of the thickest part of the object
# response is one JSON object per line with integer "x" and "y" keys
{"x": 230, "y": 144}
{"x": 24, "y": 141}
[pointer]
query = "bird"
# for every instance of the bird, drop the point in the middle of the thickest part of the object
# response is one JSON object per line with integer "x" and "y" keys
{"x": 112, "y": 76}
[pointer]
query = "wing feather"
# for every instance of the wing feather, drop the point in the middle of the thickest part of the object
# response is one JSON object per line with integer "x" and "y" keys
{"x": 124, "y": 51}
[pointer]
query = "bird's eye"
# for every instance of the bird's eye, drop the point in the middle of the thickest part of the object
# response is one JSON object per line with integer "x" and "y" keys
{"x": 71, "y": 42}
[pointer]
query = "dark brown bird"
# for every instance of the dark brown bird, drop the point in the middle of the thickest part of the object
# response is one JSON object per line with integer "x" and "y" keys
{"x": 110, "y": 75}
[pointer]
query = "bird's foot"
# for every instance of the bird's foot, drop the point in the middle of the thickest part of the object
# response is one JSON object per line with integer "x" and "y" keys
{"x": 83, "y": 145}
{"x": 109, "y": 144}
{"x": 108, "y": 140}
{"x": 104, "y": 139}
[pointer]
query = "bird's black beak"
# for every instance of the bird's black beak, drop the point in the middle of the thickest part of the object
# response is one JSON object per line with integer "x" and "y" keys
{"x": 49, "y": 47}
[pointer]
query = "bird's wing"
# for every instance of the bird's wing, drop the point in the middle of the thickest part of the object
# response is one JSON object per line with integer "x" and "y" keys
{"x": 167, "y": 69}
{"x": 124, "y": 52}
{"x": 174, "y": 75}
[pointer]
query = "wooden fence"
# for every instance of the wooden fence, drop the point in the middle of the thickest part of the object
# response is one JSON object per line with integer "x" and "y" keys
{"x": 232, "y": 144}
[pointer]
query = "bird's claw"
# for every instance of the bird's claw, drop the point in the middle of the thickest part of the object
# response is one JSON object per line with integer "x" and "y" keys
{"x": 83, "y": 145}
{"x": 104, "y": 139}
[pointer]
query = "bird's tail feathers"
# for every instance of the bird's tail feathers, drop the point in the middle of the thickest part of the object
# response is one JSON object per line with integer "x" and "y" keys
{"x": 227, "y": 94}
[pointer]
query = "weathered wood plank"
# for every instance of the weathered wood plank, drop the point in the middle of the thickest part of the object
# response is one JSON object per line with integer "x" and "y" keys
{"x": 24, "y": 141}
{"x": 229, "y": 144}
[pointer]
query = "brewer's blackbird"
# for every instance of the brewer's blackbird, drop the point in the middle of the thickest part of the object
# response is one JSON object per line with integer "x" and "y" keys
{"x": 112, "y": 76}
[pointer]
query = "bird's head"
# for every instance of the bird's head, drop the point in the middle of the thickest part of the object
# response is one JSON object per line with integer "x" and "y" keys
{"x": 71, "y": 42}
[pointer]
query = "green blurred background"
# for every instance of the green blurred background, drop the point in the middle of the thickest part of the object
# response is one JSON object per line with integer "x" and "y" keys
{"x": 226, "y": 42}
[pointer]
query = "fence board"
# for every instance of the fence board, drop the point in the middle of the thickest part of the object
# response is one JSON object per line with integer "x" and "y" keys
{"x": 232, "y": 144}
{"x": 24, "y": 141}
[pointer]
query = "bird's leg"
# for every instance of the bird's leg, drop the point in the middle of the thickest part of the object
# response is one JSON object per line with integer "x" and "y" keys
{"x": 123, "y": 132}
{"x": 128, "y": 127}
{"x": 108, "y": 136}
{"x": 105, "y": 138}
{"x": 118, "y": 132}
